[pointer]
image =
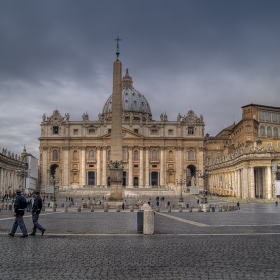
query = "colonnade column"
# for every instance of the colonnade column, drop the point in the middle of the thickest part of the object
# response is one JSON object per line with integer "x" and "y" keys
{"x": 147, "y": 173}
{"x": 268, "y": 183}
{"x": 66, "y": 166}
{"x": 45, "y": 167}
{"x": 245, "y": 183}
{"x": 104, "y": 167}
{"x": 162, "y": 166}
{"x": 141, "y": 168}
{"x": 130, "y": 167}
{"x": 83, "y": 167}
{"x": 1, "y": 182}
{"x": 251, "y": 182}
{"x": 98, "y": 163}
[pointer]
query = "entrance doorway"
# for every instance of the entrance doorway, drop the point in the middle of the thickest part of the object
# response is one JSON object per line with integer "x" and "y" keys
{"x": 135, "y": 181}
{"x": 124, "y": 179}
{"x": 154, "y": 179}
{"x": 191, "y": 174}
{"x": 91, "y": 178}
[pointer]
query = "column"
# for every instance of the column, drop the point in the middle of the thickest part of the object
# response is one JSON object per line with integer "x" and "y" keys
{"x": 130, "y": 167}
{"x": 251, "y": 182}
{"x": 268, "y": 182}
{"x": 45, "y": 167}
{"x": 98, "y": 163}
{"x": 147, "y": 171}
{"x": 104, "y": 167}
{"x": 162, "y": 166}
{"x": 1, "y": 182}
{"x": 83, "y": 167}
{"x": 245, "y": 183}
{"x": 66, "y": 166}
{"x": 141, "y": 168}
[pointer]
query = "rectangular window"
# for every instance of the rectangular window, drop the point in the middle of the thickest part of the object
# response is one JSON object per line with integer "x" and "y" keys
{"x": 261, "y": 116}
{"x": 154, "y": 166}
{"x": 109, "y": 130}
{"x": 55, "y": 129}
{"x": 268, "y": 116}
{"x": 76, "y": 131}
{"x": 278, "y": 176}
{"x": 170, "y": 131}
{"x": 274, "y": 117}
{"x": 136, "y": 130}
{"x": 135, "y": 165}
{"x": 154, "y": 131}
{"x": 190, "y": 130}
{"x": 91, "y": 131}
{"x": 90, "y": 165}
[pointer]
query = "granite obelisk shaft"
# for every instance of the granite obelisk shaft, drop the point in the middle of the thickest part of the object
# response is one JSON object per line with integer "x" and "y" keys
{"x": 116, "y": 174}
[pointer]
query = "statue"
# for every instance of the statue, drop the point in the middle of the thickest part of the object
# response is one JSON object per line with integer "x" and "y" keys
{"x": 193, "y": 181}
{"x": 67, "y": 116}
{"x": 161, "y": 117}
{"x": 116, "y": 164}
{"x": 44, "y": 117}
{"x": 179, "y": 117}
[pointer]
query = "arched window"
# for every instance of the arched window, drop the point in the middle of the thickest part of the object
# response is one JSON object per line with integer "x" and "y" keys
{"x": 191, "y": 155}
{"x": 170, "y": 155}
{"x": 75, "y": 155}
{"x": 135, "y": 155}
{"x": 262, "y": 130}
{"x": 55, "y": 155}
{"x": 269, "y": 131}
{"x": 123, "y": 154}
{"x": 275, "y": 132}
{"x": 91, "y": 154}
{"x": 154, "y": 155}
{"x": 109, "y": 155}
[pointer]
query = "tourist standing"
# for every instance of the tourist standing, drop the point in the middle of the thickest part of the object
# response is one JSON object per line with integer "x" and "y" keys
{"x": 19, "y": 206}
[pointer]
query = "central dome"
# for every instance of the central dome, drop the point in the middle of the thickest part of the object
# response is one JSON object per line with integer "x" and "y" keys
{"x": 132, "y": 100}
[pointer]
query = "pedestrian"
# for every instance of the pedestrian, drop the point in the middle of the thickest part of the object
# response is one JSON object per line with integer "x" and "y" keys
{"x": 198, "y": 201}
{"x": 276, "y": 203}
{"x": 238, "y": 205}
{"x": 168, "y": 203}
{"x": 123, "y": 206}
{"x": 157, "y": 203}
{"x": 19, "y": 206}
{"x": 36, "y": 210}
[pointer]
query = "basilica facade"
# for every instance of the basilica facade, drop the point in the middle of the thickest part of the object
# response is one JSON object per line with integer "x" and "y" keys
{"x": 156, "y": 153}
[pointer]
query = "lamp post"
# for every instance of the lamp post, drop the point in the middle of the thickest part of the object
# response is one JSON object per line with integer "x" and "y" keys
{"x": 181, "y": 182}
{"x": 204, "y": 175}
{"x": 53, "y": 181}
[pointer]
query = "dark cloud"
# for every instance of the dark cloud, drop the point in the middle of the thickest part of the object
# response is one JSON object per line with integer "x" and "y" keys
{"x": 209, "y": 56}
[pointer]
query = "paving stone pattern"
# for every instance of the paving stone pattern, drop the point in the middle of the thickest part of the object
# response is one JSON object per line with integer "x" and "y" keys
{"x": 233, "y": 245}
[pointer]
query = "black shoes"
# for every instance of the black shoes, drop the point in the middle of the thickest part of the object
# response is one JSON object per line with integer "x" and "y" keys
{"x": 32, "y": 233}
{"x": 11, "y": 234}
{"x": 22, "y": 236}
{"x": 43, "y": 231}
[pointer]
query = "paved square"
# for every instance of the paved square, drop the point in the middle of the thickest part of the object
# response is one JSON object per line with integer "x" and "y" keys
{"x": 240, "y": 244}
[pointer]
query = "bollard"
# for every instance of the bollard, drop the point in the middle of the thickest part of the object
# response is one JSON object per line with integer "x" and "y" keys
{"x": 54, "y": 207}
{"x": 70, "y": 204}
{"x": 149, "y": 221}
{"x": 220, "y": 208}
{"x": 62, "y": 205}
{"x": 76, "y": 204}
{"x": 66, "y": 208}
{"x": 106, "y": 207}
{"x": 118, "y": 208}
{"x": 180, "y": 208}
{"x": 199, "y": 209}
{"x": 79, "y": 208}
{"x": 43, "y": 207}
{"x": 169, "y": 209}
{"x": 131, "y": 209}
{"x": 207, "y": 209}
{"x": 190, "y": 209}
{"x": 1, "y": 206}
{"x": 5, "y": 206}
{"x": 157, "y": 209}
{"x": 92, "y": 208}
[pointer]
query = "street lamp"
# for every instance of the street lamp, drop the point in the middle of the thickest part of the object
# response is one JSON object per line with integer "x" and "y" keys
{"x": 181, "y": 182}
{"x": 53, "y": 181}
{"x": 204, "y": 175}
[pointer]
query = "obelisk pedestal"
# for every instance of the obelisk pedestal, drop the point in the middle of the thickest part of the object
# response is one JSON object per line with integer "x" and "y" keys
{"x": 116, "y": 179}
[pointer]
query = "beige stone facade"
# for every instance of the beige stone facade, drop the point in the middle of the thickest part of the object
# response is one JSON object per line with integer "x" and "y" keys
{"x": 155, "y": 152}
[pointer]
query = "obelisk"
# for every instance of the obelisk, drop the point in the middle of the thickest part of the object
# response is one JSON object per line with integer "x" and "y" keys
{"x": 116, "y": 164}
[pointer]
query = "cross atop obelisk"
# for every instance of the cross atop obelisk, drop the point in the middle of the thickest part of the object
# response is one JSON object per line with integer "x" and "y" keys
{"x": 116, "y": 164}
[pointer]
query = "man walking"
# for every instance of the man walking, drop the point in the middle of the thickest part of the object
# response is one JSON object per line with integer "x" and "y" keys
{"x": 19, "y": 206}
{"x": 36, "y": 210}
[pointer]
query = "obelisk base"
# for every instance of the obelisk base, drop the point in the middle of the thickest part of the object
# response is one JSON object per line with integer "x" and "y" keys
{"x": 116, "y": 192}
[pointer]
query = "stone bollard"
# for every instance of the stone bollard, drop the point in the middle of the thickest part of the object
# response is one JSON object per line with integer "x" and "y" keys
{"x": 180, "y": 208}
{"x": 79, "y": 208}
{"x": 76, "y": 204}
{"x": 5, "y": 206}
{"x": 191, "y": 206}
{"x": 169, "y": 209}
{"x": 157, "y": 209}
{"x": 92, "y": 208}
{"x": 131, "y": 209}
{"x": 43, "y": 207}
{"x": 106, "y": 207}
{"x": 149, "y": 221}
{"x": 70, "y": 204}
{"x": 207, "y": 208}
{"x": 220, "y": 208}
{"x": 190, "y": 209}
{"x": 54, "y": 207}
{"x": 118, "y": 208}
{"x": 199, "y": 209}
{"x": 1, "y": 206}
{"x": 62, "y": 205}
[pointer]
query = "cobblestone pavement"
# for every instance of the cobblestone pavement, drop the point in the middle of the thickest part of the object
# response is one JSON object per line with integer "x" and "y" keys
{"x": 241, "y": 244}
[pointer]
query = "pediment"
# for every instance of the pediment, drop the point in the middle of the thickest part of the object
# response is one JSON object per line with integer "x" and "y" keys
{"x": 126, "y": 134}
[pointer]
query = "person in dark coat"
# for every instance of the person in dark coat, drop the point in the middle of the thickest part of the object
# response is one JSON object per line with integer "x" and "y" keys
{"x": 36, "y": 210}
{"x": 19, "y": 206}
{"x": 123, "y": 206}
{"x": 238, "y": 205}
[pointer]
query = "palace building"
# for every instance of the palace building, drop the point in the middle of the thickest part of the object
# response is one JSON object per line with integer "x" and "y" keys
{"x": 156, "y": 153}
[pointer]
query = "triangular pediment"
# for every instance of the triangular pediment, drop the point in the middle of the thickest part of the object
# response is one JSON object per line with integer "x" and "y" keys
{"x": 126, "y": 134}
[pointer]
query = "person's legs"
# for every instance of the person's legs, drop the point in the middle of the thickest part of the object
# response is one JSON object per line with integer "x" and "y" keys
{"x": 15, "y": 226}
{"x": 21, "y": 225}
{"x": 35, "y": 218}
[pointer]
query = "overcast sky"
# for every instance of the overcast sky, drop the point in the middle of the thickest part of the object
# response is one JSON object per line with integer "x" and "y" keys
{"x": 209, "y": 56}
